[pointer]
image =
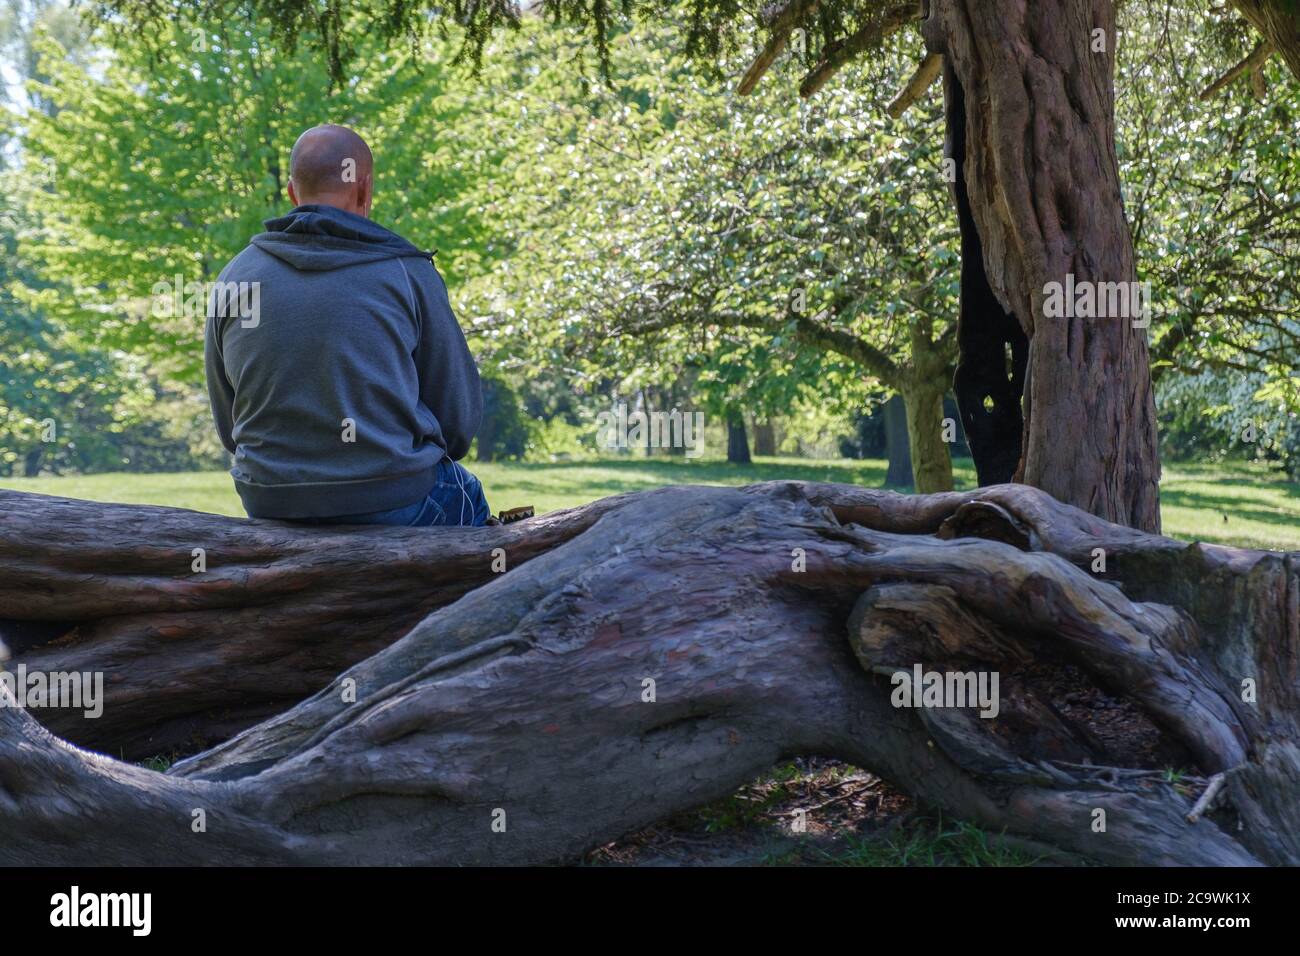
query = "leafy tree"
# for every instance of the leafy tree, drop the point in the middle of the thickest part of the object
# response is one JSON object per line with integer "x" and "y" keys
{"x": 695, "y": 231}
{"x": 168, "y": 162}
{"x": 63, "y": 402}
{"x": 1212, "y": 177}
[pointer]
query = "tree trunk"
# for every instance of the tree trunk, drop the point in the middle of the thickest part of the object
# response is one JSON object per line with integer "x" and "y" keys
{"x": 1030, "y": 102}
{"x": 764, "y": 439}
{"x": 485, "y": 441}
{"x": 737, "y": 442}
{"x": 931, "y": 463}
{"x": 897, "y": 444}
{"x": 923, "y": 387}
{"x": 279, "y": 610}
{"x": 641, "y": 656}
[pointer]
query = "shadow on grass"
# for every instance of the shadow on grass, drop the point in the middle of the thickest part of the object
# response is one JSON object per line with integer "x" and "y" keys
{"x": 653, "y": 472}
{"x": 1231, "y": 507}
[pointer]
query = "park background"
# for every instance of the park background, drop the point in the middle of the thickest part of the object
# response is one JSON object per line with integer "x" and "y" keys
{"x": 632, "y": 236}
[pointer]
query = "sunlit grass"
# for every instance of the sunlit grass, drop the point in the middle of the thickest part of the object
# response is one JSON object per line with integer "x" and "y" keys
{"x": 1236, "y": 503}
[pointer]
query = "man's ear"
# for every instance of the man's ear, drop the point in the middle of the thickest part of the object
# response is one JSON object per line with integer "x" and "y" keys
{"x": 365, "y": 192}
{"x": 293, "y": 193}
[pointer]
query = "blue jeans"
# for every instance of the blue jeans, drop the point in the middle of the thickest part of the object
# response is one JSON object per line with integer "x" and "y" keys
{"x": 456, "y": 499}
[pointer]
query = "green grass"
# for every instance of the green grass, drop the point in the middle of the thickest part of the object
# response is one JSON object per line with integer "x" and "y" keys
{"x": 1239, "y": 503}
{"x": 1236, "y": 503}
{"x": 930, "y": 843}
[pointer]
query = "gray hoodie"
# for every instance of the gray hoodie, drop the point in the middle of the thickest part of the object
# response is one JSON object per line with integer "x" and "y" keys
{"x": 337, "y": 373}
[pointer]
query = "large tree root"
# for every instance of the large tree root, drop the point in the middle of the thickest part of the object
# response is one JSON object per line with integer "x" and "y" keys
{"x": 650, "y": 654}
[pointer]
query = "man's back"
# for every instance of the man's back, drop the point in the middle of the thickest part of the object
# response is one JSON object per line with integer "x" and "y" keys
{"x": 353, "y": 380}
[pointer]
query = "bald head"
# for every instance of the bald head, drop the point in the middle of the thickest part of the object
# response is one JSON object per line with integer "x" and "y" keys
{"x": 331, "y": 166}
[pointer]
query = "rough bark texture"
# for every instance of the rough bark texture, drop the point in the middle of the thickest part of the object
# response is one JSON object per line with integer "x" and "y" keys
{"x": 278, "y": 611}
{"x": 1031, "y": 113}
{"x": 767, "y": 617}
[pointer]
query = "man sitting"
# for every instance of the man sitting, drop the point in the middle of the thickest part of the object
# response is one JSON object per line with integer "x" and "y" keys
{"x": 349, "y": 393}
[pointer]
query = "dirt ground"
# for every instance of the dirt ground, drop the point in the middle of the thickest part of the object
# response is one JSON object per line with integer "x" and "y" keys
{"x": 849, "y": 818}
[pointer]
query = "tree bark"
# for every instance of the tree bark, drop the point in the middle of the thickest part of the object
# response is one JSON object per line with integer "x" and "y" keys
{"x": 764, "y": 439}
{"x": 769, "y": 619}
{"x": 278, "y": 609}
{"x": 1279, "y": 23}
{"x": 923, "y": 388}
{"x": 897, "y": 444}
{"x": 737, "y": 441}
{"x": 1030, "y": 105}
{"x": 931, "y": 463}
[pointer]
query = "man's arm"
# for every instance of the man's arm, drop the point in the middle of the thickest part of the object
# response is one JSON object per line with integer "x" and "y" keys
{"x": 449, "y": 382}
{"x": 220, "y": 393}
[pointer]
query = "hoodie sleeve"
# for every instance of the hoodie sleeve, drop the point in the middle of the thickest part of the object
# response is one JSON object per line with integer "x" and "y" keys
{"x": 220, "y": 393}
{"x": 449, "y": 381}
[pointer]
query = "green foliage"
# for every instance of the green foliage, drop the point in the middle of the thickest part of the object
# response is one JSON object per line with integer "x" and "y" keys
{"x": 690, "y": 238}
{"x": 1219, "y": 415}
{"x": 153, "y": 168}
{"x": 65, "y": 404}
{"x": 167, "y": 164}
{"x": 642, "y": 232}
{"x": 504, "y": 432}
{"x": 1213, "y": 193}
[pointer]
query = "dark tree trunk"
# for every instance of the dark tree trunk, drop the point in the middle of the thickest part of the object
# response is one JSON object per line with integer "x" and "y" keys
{"x": 737, "y": 441}
{"x": 897, "y": 444}
{"x": 1031, "y": 113}
{"x": 993, "y": 348}
{"x": 764, "y": 439}
{"x": 641, "y": 656}
{"x": 32, "y": 462}
{"x": 485, "y": 442}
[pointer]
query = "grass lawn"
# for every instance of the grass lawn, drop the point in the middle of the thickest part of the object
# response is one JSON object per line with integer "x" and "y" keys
{"x": 1235, "y": 503}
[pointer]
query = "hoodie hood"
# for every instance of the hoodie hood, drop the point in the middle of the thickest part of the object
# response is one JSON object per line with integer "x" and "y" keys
{"x": 316, "y": 238}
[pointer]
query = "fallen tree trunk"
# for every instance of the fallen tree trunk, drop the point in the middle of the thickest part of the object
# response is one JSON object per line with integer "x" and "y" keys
{"x": 642, "y": 656}
{"x": 277, "y": 610}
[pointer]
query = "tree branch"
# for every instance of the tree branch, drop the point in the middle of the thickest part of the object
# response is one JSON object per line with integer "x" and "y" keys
{"x": 1254, "y": 61}
{"x": 782, "y": 25}
{"x": 926, "y": 73}
{"x": 1278, "y": 21}
{"x": 890, "y": 20}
